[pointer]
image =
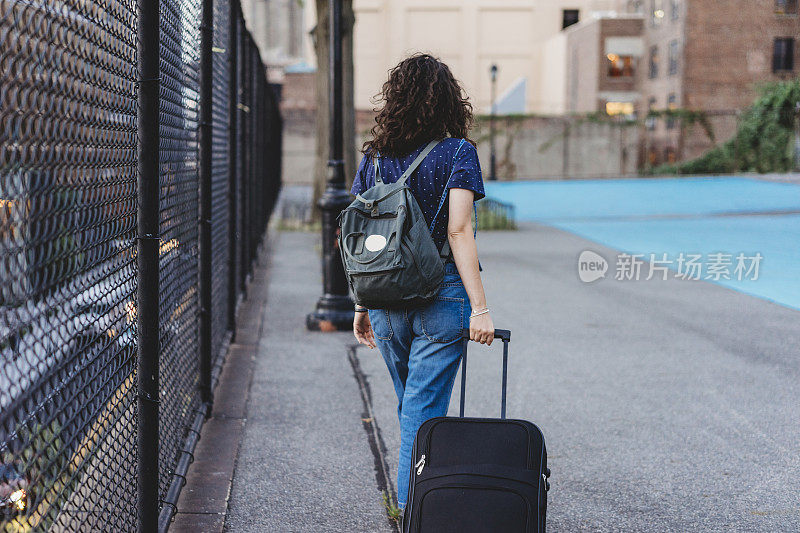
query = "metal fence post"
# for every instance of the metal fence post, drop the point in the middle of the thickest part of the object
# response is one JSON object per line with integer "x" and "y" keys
{"x": 204, "y": 199}
{"x": 251, "y": 159}
{"x": 233, "y": 166}
{"x": 257, "y": 166}
{"x": 147, "y": 119}
{"x": 240, "y": 116}
{"x": 256, "y": 65}
{"x": 244, "y": 50}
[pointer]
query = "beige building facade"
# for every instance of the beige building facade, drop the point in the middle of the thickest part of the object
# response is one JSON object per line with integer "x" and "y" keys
{"x": 522, "y": 37}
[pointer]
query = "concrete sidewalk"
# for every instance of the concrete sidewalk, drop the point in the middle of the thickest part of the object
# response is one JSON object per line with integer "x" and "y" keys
{"x": 305, "y": 463}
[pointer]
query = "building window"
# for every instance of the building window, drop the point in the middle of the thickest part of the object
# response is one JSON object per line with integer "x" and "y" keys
{"x": 569, "y": 17}
{"x": 675, "y": 9}
{"x": 657, "y": 12}
{"x": 653, "y": 72}
{"x": 620, "y": 108}
{"x": 783, "y": 55}
{"x": 672, "y": 105}
{"x": 785, "y": 7}
{"x": 673, "y": 57}
{"x": 636, "y": 6}
{"x": 620, "y": 66}
{"x": 650, "y": 121}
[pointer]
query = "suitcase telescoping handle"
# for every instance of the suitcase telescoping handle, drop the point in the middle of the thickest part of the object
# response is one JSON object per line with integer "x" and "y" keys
{"x": 503, "y": 334}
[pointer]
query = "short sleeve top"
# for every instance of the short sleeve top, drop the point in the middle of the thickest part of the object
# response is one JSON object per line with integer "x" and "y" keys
{"x": 453, "y": 163}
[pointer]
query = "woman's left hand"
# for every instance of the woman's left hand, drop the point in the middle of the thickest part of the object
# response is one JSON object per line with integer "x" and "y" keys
{"x": 362, "y": 329}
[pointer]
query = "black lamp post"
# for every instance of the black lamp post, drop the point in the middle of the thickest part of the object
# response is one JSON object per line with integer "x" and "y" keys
{"x": 334, "y": 311}
{"x": 493, "y": 157}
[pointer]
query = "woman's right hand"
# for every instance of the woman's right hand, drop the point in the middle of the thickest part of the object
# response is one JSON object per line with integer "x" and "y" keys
{"x": 362, "y": 329}
{"x": 481, "y": 329}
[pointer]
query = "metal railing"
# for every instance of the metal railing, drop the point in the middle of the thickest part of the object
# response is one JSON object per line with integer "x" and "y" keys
{"x": 140, "y": 160}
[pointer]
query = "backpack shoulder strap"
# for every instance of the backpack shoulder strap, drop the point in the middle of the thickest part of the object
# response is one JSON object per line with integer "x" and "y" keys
{"x": 414, "y": 164}
{"x": 375, "y": 159}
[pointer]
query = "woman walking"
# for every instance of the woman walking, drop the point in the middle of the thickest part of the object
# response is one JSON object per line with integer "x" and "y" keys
{"x": 422, "y": 101}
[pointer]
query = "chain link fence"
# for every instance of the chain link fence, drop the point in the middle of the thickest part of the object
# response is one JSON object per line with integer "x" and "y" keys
{"x": 69, "y": 437}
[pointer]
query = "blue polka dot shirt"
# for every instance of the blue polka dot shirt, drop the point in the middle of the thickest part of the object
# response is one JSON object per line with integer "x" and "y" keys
{"x": 452, "y": 164}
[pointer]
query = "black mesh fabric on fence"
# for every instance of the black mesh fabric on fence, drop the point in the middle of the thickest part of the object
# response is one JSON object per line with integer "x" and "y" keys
{"x": 68, "y": 230}
{"x": 67, "y": 274}
{"x": 178, "y": 180}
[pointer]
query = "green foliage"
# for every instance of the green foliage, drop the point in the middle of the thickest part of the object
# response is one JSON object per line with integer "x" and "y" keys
{"x": 688, "y": 117}
{"x": 763, "y": 140}
{"x": 494, "y": 215}
{"x": 392, "y": 510}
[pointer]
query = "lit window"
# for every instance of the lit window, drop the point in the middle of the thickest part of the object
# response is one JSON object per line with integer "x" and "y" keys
{"x": 620, "y": 66}
{"x": 783, "y": 55}
{"x": 619, "y": 108}
{"x": 673, "y": 57}
{"x": 786, "y": 7}
{"x": 654, "y": 59}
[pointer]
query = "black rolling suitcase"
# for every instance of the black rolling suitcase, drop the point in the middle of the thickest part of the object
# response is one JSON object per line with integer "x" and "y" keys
{"x": 478, "y": 475}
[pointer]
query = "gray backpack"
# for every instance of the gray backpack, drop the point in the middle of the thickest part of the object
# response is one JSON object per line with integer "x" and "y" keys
{"x": 388, "y": 253}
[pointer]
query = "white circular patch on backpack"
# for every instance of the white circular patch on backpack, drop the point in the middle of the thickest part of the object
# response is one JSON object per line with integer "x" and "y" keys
{"x": 374, "y": 243}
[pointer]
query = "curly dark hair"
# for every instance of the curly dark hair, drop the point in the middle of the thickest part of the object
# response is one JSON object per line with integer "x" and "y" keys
{"x": 422, "y": 101}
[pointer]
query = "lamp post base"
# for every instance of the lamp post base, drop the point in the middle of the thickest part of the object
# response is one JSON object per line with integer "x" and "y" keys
{"x": 333, "y": 313}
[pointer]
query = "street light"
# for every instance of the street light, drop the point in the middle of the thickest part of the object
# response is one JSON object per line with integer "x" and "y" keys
{"x": 334, "y": 311}
{"x": 493, "y": 157}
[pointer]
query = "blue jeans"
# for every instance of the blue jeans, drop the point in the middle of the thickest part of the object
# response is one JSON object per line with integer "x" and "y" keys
{"x": 422, "y": 349}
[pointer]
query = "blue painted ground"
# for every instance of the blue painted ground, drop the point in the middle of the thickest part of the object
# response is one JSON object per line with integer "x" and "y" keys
{"x": 674, "y": 215}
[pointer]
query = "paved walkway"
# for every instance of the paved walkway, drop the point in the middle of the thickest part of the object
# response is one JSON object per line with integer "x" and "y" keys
{"x": 667, "y": 405}
{"x": 305, "y": 462}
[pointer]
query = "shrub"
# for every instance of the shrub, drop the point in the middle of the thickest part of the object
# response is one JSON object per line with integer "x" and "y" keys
{"x": 762, "y": 142}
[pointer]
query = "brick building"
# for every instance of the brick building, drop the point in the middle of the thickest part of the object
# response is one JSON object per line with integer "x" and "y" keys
{"x": 692, "y": 54}
{"x": 710, "y": 56}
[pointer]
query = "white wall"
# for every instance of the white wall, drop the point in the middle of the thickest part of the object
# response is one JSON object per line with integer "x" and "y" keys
{"x": 553, "y": 79}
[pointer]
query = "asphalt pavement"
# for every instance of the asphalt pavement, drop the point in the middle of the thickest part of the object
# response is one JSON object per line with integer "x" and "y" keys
{"x": 667, "y": 405}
